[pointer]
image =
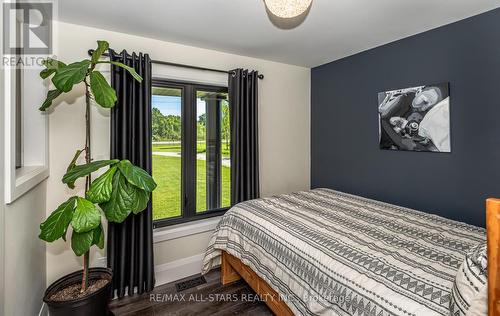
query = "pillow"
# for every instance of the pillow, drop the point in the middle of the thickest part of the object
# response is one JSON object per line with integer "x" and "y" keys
{"x": 469, "y": 295}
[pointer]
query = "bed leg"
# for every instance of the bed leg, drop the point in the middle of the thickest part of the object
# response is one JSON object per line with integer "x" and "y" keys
{"x": 493, "y": 233}
{"x": 227, "y": 273}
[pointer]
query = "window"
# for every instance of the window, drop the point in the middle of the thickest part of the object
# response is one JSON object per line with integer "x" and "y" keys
{"x": 25, "y": 127}
{"x": 19, "y": 119}
{"x": 18, "y": 97}
{"x": 191, "y": 156}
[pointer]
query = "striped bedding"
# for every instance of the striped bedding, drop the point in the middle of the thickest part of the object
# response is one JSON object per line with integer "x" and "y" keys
{"x": 331, "y": 253}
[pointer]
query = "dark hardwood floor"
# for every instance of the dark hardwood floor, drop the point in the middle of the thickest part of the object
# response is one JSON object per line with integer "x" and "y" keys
{"x": 210, "y": 298}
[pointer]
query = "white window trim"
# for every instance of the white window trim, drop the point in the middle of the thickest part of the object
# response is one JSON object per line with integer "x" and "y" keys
{"x": 20, "y": 181}
{"x": 185, "y": 229}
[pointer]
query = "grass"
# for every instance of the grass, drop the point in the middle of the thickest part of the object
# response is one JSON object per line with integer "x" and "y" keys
{"x": 167, "y": 174}
{"x": 176, "y": 148}
{"x": 171, "y": 148}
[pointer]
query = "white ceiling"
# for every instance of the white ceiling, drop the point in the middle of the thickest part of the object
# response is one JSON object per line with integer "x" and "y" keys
{"x": 333, "y": 28}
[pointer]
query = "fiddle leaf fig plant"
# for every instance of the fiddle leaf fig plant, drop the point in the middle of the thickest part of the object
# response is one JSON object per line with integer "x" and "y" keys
{"x": 119, "y": 191}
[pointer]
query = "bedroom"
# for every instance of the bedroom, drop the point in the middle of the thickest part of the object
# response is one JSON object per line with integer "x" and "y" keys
{"x": 228, "y": 102}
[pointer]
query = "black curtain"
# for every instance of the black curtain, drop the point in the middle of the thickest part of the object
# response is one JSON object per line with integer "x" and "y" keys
{"x": 243, "y": 100}
{"x": 130, "y": 244}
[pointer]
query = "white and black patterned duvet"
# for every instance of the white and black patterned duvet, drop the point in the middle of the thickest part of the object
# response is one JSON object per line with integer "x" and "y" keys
{"x": 332, "y": 253}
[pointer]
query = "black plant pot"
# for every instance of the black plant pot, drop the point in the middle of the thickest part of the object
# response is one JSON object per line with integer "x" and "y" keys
{"x": 95, "y": 304}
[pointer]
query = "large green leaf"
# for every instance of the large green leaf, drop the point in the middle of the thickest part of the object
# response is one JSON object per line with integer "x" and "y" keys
{"x": 86, "y": 216}
{"x": 104, "y": 95}
{"x": 70, "y": 75}
{"x": 52, "y": 65}
{"x": 98, "y": 237}
{"x": 72, "y": 164}
{"x": 51, "y": 96}
{"x": 122, "y": 200}
{"x": 100, "y": 189}
{"x": 102, "y": 46}
{"x": 81, "y": 242}
{"x": 129, "y": 69}
{"x": 84, "y": 170}
{"x": 137, "y": 176}
{"x": 141, "y": 201}
{"x": 56, "y": 224}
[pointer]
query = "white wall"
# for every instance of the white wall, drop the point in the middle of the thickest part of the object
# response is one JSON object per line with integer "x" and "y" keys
{"x": 284, "y": 112}
{"x": 25, "y": 253}
{"x": 22, "y": 254}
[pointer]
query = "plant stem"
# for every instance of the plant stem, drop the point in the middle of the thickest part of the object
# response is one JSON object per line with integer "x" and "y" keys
{"x": 88, "y": 180}
{"x": 87, "y": 128}
{"x": 85, "y": 278}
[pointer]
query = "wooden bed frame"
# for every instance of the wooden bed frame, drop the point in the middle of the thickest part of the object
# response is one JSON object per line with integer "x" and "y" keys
{"x": 232, "y": 269}
{"x": 493, "y": 232}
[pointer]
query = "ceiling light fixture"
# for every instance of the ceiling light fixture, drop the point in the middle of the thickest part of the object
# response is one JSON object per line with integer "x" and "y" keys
{"x": 287, "y": 8}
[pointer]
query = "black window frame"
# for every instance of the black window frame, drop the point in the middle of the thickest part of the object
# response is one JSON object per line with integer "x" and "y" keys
{"x": 188, "y": 153}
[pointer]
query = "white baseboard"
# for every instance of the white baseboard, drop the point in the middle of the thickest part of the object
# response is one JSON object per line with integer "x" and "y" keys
{"x": 165, "y": 272}
{"x": 178, "y": 269}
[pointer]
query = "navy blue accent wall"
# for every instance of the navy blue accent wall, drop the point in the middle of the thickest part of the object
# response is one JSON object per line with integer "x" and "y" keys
{"x": 345, "y": 153}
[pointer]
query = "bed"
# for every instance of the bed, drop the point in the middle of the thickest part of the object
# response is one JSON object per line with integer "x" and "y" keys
{"x": 324, "y": 252}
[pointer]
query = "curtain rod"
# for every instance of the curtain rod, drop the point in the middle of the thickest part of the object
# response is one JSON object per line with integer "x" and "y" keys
{"x": 160, "y": 62}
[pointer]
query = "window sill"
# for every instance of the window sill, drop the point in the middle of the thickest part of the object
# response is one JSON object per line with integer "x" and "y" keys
{"x": 186, "y": 229}
{"x": 26, "y": 178}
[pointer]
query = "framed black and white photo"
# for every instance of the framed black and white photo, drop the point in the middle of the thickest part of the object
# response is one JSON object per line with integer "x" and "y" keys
{"x": 415, "y": 119}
